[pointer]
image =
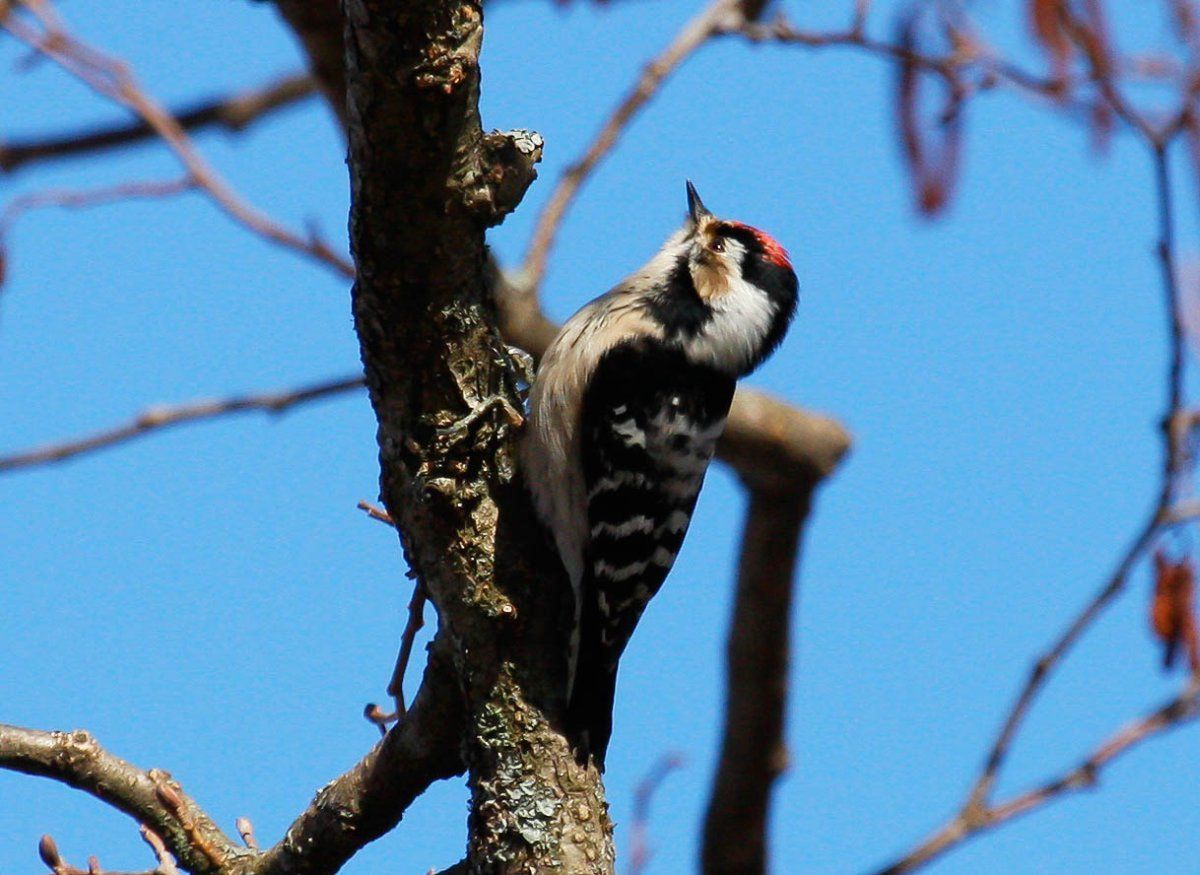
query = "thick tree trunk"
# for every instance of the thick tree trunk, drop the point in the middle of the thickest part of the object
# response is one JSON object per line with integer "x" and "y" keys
{"x": 425, "y": 185}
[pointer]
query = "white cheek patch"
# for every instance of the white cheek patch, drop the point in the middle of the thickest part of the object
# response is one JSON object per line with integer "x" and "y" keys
{"x": 741, "y": 319}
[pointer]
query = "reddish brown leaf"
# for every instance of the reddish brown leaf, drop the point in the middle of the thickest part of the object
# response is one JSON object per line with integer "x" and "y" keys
{"x": 931, "y": 156}
{"x": 1046, "y": 24}
{"x": 1093, "y": 30}
{"x": 1173, "y": 610}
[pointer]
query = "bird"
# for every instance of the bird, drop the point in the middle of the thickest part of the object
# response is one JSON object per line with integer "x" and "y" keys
{"x": 624, "y": 413}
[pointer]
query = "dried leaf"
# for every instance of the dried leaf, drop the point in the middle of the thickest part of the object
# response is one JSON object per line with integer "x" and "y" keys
{"x": 1046, "y": 24}
{"x": 1094, "y": 33}
{"x": 1173, "y": 609}
{"x": 931, "y": 158}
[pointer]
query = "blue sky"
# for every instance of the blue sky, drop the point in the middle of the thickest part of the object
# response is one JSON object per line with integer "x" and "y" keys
{"x": 209, "y": 600}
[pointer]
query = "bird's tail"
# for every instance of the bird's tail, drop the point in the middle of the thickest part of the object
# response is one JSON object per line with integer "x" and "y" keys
{"x": 589, "y": 715}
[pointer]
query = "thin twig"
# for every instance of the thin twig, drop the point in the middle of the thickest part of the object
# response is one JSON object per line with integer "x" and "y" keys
{"x": 643, "y": 795}
{"x": 48, "y": 851}
{"x": 151, "y": 797}
{"x": 970, "y": 823}
{"x": 166, "y": 863}
{"x": 718, "y": 15}
{"x": 724, "y": 17}
{"x": 416, "y": 621}
{"x": 1179, "y": 710}
{"x": 157, "y": 418}
{"x": 979, "y": 812}
{"x": 113, "y": 79}
{"x": 69, "y": 198}
{"x": 233, "y": 113}
{"x": 376, "y": 513}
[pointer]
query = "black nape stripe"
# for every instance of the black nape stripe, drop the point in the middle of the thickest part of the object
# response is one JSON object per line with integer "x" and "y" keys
{"x": 677, "y": 306}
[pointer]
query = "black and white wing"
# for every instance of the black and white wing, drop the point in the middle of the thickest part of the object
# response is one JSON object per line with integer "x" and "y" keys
{"x": 649, "y": 427}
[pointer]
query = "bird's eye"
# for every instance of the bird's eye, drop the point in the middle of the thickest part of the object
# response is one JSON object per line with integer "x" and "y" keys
{"x": 718, "y": 245}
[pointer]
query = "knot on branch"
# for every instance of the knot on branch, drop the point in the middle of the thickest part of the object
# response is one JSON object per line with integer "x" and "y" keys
{"x": 505, "y": 170}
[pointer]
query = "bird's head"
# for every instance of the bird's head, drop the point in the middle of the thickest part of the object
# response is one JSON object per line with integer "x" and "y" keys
{"x": 745, "y": 282}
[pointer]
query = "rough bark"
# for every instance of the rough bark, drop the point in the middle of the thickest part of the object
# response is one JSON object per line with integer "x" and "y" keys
{"x": 425, "y": 184}
{"x": 151, "y": 797}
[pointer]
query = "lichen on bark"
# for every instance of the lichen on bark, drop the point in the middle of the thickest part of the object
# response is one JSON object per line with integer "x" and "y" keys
{"x": 426, "y": 183}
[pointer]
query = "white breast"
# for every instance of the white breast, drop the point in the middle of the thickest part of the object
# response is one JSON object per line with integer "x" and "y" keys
{"x": 742, "y": 319}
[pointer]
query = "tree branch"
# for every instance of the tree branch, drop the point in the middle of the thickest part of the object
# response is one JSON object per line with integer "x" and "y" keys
{"x": 978, "y": 812}
{"x": 424, "y": 189}
{"x": 356, "y": 808}
{"x": 112, "y": 79}
{"x": 68, "y": 198}
{"x": 233, "y": 113}
{"x": 318, "y": 26}
{"x": 718, "y": 15}
{"x": 970, "y": 823}
{"x": 150, "y": 797}
{"x": 157, "y": 418}
{"x": 753, "y": 750}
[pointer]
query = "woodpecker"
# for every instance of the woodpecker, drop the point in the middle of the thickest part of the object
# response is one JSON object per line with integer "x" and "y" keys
{"x": 624, "y": 414}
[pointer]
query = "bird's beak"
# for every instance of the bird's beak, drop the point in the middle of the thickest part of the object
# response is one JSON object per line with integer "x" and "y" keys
{"x": 696, "y": 207}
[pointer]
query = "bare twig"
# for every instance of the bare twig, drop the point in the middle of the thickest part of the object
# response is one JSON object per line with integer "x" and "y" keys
{"x": 978, "y": 812}
{"x": 367, "y": 801}
{"x": 350, "y": 811}
{"x": 157, "y": 418}
{"x": 76, "y": 759}
{"x": 718, "y": 15}
{"x": 246, "y": 830}
{"x": 964, "y": 71}
{"x": 48, "y": 851}
{"x": 376, "y": 513}
{"x": 233, "y": 113}
{"x": 416, "y": 621}
{"x": 70, "y": 198}
{"x": 113, "y": 79}
{"x": 643, "y": 795}
{"x": 1180, "y": 710}
{"x": 166, "y": 862}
